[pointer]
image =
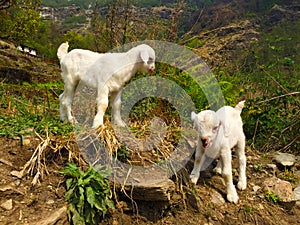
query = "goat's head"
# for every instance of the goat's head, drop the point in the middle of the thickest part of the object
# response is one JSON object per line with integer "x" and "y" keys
{"x": 147, "y": 57}
{"x": 207, "y": 125}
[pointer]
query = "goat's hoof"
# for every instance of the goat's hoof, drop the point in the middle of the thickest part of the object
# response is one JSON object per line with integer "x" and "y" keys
{"x": 217, "y": 170}
{"x": 120, "y": 124}
{"x": 233, "y": 198}
{"x": 241, "y": 185}
{"x": 194, "y": 178}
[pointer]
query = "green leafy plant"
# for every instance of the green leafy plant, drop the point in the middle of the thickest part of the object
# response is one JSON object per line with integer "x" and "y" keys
{"x": 257, "y": 167}
{"x": 272, "y": 197}
{"x": 288, "y": 175}
{"x": 88, "y": 194}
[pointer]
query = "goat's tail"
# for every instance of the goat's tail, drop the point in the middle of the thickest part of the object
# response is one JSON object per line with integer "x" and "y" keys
{"x": 62, "y": 50}
{"x": 239, "y": 106}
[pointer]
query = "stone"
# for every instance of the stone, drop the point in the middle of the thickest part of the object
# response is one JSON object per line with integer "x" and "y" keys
{"x": 270, "y": 166}
{"x": 280, "y": 187}
{"x": 256, "y": 188}
{"x": 50, "y": 202}
{"x": 296, "y": 193}
{"x": 18, "y": 174}
{"x": 284, "y": 159}
{"x": 26, "y": 142}
{"x": 7, "y": 205}
{"x": 217, "y": 198}
{"x": 160, "y": 191}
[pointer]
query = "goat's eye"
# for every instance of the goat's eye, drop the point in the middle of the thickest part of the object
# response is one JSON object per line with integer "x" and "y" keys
{"x": 150, "y": 61}
{"x": 215, "y": 129}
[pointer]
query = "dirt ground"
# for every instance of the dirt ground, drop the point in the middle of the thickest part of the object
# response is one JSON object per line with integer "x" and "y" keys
{"x": 188, "y": 205}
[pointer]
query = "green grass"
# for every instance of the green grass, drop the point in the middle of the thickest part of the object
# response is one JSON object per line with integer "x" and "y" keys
{"x": 29, "y": 107}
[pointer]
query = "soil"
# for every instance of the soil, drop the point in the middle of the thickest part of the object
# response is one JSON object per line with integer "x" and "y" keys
{"x": 188, "y": 205}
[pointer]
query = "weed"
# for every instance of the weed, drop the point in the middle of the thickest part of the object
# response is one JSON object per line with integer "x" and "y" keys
{"x": 248, "y": 209}
{"x": 288, "y": 175}
{"x": 272, "y": 197}
{"x": 122, "y": 154}
{"x": 257, "y": 167}
{"x": 88, "y": 194}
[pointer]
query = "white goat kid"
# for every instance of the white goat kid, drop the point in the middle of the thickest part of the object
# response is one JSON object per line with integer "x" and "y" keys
{"x": 218, "y": 133}
{"x": 106, "y": 72}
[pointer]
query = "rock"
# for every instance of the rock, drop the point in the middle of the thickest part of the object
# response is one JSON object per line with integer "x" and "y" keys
{"x": 18, "y": 174}
{"x": 53, "y": 217}
{"x": 217, "y": 198}
{"x": 160, "y": 191}
{"x": 256, "y": 188}
{"x": 280, "y": 187}
{"x": 26, "y": 141}
{"x": 270, "y": 166}
{"x": 284, "y": 159}
{"x": 296, "y": 193}
{"x": 7, "y": 205}
{"x": 50, "y": 202}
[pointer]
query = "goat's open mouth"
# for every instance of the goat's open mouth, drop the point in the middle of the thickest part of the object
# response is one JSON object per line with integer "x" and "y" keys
{"x": 151, "y": 70}
{"x": 205, "y": 142}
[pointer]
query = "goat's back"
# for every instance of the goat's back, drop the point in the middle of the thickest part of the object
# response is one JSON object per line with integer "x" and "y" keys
{"x": 232, "y": 121}
{"x": 77, "y": 62}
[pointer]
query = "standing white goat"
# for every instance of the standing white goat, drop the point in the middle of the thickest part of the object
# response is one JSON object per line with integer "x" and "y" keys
{"x": 106, "y": 72}
{"x": 218, "y": 133}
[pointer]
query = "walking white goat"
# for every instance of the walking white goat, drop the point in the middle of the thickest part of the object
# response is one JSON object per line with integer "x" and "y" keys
{"x": 218, "y": 133}
{"x": 106, "y": 72}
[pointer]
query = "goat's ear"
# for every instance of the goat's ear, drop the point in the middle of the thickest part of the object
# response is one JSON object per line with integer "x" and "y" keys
{"x": 144, "y": 56}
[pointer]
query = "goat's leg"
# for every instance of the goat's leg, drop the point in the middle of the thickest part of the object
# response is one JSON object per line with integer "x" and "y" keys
{"x": 102, "y": 103}
{"x": 196, "y": 170}
{"x": 116, "y": 108}
{"x": 227, "y": 175}
{"x": 66, "y": 100}
{"x": 62, "y": 109}
{"x": 240, "y": 149}
{"x": 218, "y": 168}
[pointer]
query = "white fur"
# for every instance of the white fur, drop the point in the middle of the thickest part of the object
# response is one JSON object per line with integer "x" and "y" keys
{"x": 105, "y": 72}
{"x": 218, "y": 133}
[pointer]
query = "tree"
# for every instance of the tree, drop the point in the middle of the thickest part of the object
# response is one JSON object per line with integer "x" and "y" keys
{"x": 21, "y": 20}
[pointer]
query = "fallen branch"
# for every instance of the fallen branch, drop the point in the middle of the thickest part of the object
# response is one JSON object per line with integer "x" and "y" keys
{"x": 280, "y": 96}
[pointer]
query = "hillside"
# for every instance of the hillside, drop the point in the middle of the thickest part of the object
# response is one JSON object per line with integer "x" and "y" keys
{"x": 253, "y": 57}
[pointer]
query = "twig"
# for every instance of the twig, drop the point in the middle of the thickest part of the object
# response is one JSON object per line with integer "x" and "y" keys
{"x": 280, "y": 96}
{"x": 254, "y": 135}
{"x": 289, "y": 144}
{"x": 124, "y": 183}
{"x": 290, "y": 126}
{"x": 283, "y": 88}
{"x": 191, "y": 30}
